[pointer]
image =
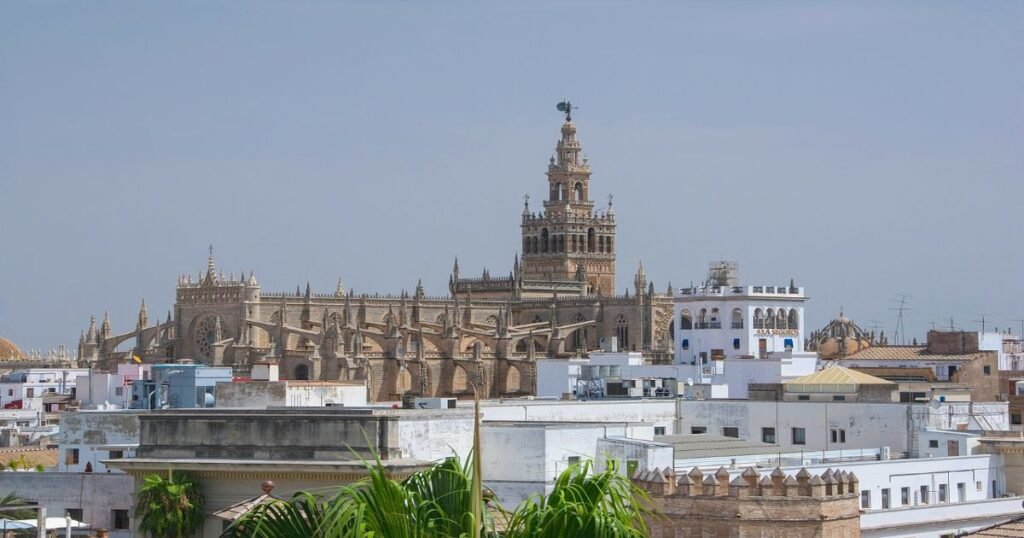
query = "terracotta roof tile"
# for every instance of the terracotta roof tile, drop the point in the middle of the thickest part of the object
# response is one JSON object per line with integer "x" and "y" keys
{"x": 910, "y": 353}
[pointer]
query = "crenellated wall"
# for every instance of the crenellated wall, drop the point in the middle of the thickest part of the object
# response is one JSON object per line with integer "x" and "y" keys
{"x": 749, "y": 504}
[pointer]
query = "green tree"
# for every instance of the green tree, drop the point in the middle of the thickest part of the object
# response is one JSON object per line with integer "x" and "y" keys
{"x": 438, "y": 503}
{"x": 12, "y": 500}
{"x": 171, "y": 507}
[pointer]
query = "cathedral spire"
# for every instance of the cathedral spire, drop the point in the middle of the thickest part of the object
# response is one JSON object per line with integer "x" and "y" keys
{"x": 143, "y": 315}
{"x": 105, "y": 327}
{"x": 211, "y": 265}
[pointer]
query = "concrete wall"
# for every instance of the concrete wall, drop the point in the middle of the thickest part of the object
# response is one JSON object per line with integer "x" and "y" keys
{"x": 94, "y": 434}
{"x": 95, "y": 494}
{"x": 866, "y": 425}
{"x": 660, "y": 413}
{"x": 254, "y": 394}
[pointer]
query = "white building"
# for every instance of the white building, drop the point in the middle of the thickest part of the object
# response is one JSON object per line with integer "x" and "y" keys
{"x": 559, "y": 377}
{"x": 88, "y": 438}
{"x": 24, "y": 389}
{"x": 660, "y": 413}
{"x": 722, "y": 319}
{"x": 101, "y": 390}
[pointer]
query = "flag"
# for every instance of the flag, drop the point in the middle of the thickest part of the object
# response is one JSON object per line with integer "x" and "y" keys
{"x": 136, "y": 358}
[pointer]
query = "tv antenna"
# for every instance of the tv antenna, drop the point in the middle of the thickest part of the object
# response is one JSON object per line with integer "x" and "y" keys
{"x": 982, "y": 321}
{"x": 902, "y": 301}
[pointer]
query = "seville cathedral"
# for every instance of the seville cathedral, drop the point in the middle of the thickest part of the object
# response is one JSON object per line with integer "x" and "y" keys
{"x": 558, "y": 300}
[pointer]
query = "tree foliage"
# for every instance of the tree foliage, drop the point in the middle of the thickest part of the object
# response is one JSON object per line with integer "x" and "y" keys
{"x": 169, "y": 507}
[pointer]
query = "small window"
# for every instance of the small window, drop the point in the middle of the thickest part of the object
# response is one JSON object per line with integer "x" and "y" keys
{"x": 961, "y": 492}
{"x": 735, "y": 343}
{"x": 116, "y": 454}
{"x": 74, "y": 513}
{"x": 799, "y": 436}
{"x": 55, "y": 390}
{"x": 977, "y": 485}
{"x": 71, "y": 456}
{"x": 120, "y": 519}
{"x": 838, "y": 398}
{"x": 987, "y": 370}
{"x": 686, "y": 343}
{"x": 10, "y": 392}
{"x": 838, "y": 436}
{"x": 768, "y": 435}
{"x": 30, "y": 393}
{"x": 730, "y": 431}
{"x": 803, "y": 397}
{"x": 904, "y": 496}
{"x": 1015, "y": 419}
{"x": 573, "y": 460}
{"x": 924, "y": 495}
{"x": 118, "y": 391}
{"x": 659, "y": 430}
{"x": 865, "y": 499}
{"x": 943, "y": 494}
{"x": 933, "y": 443}
{"x": 885, "y": 498}
{"x": 698, "y": 429}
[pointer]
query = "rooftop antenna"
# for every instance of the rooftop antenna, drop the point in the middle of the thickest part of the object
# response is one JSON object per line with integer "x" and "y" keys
{"x": 982, "y": 321}
{"x": 902, "y": 301}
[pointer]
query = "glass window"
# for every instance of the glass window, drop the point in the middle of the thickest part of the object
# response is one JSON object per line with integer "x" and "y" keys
{"x": 943, "y": 497}
{"x": 865, "y": 499}
{"x": 924, "y": 495}
{"x": 961, "y": 492}
{"x": 730, "y": 431}
{"x": 116, "y": 454}
{"x": 904, "y": 496}
{"x": 838, "y": 436}
{"x": 799, "y": 436}
{"x": 768, "y": 435}
{"x": 573, "y": 460}
{"x": 987, "y": 370}
{"x": 735, "y": 343}
{"x": 838, "y": 398}
{"x": 699, "y": 429}
{"x": 885, "y": 498}
{"x": 71, "y": 456}
{"x": 788, "y": 343}
{"x": 659, "y": 430}
{"x": 75, "y": 513}
{"x": 933, "y": 443}
{"x": 120, "y": 519}
{"x": 686, "y": 343}
{"x": 803, "y": 397}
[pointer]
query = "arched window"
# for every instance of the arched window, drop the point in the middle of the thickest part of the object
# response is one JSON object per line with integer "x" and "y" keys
{"x": 544, "y": 240}
{"x": 702, "y": 319}
{"x": 622, "y": 331}
{"x": 578, "y": 190}
{"x": 536, "y": 246}
{"x": 769, "y": 321}
{"x": 685, "y": 320}
{"x": 301, "y": 373}
{"x": 590, "y": 240}
{"x": 780, "y": 319}
{"x": 758, "y": 318}
{"x": 561, "y": 191}
{"x": 526, "y": 245}
{"x": 573, "y": 243}
{"x": 714, "y": 316}
{"x": 794, "y": 319}
{"x": 608, "y": 245}
{"x": 737, "y": 318}
{"x": 600, "y": 243}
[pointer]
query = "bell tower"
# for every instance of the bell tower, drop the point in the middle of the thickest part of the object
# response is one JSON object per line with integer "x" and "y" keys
{"x": 569, "y": 237}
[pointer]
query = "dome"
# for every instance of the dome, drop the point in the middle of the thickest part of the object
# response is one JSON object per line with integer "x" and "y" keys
{"x": 8, "y": 351}
{"x": 841, "y": 337}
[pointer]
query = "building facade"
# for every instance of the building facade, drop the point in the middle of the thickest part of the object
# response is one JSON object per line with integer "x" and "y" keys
{"x": 559, "y": 300}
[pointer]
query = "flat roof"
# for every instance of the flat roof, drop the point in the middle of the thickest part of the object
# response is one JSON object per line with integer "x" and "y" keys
{"x": 706, "y": 445}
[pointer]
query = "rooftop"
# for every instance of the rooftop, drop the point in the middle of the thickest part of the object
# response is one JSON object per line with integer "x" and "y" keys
{"x": 834, "y": 379}
{"x": 705, "y": 445}
{"x": 912, "y": 353}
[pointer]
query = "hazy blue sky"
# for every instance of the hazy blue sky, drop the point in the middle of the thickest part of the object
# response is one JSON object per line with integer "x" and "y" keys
{"x": 863, "y": 149}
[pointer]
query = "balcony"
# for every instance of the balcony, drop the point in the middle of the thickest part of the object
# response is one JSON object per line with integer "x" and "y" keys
{"x": 708, "y": 325}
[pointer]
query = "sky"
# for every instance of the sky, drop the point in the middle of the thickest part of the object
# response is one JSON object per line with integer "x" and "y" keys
{"x": 866, "y": 150}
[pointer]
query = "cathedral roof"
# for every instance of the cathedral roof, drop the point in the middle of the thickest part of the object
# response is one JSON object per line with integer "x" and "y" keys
{"x": 8, "y": 351}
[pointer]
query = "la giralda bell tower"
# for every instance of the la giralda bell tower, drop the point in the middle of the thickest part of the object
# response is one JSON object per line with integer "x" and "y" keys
{"x": 569, "y": 240}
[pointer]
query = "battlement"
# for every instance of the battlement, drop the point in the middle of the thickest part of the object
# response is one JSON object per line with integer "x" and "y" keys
{"x": 749, "y": 483}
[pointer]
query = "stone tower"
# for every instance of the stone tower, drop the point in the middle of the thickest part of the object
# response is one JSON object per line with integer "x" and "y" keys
{"x": 569, "y": 240}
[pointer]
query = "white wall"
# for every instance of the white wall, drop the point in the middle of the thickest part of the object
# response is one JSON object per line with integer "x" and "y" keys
{"x": 649, "y": 455}
{"x": 436, "y": 437}
{"x": 866, "y": 425}
{"x": 660, "y": 413}
{"x": 317, "y": 396}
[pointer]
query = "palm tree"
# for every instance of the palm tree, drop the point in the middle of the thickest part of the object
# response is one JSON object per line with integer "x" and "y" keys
{"x": 438, "y": 502}
{"x": 171, "y": 507}
{"x": 604, "y": 505}
{"x": 12, "y": 500}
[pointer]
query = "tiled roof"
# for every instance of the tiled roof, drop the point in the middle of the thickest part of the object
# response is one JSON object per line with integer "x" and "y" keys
{"x": 835, "y": 376}
{"x": 1010, "y": 529}
{"x": 910, "y": 353}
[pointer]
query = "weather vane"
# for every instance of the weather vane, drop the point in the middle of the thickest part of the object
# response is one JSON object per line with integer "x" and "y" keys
{"x": 566, "y": 106}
